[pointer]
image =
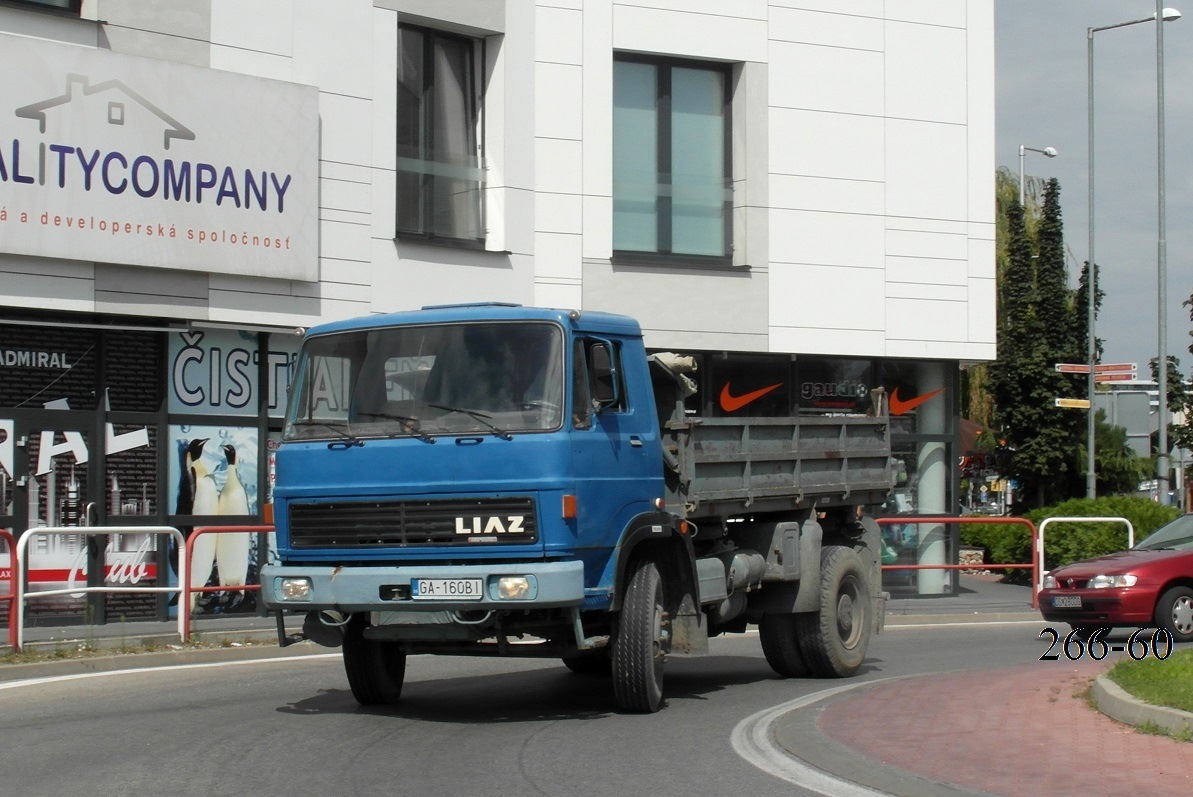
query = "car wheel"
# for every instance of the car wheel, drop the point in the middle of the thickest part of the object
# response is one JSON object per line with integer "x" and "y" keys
{"x": 1174, "y": 613}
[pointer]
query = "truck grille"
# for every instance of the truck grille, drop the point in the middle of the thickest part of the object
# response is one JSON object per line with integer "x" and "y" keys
{"x": 379, "y": 524}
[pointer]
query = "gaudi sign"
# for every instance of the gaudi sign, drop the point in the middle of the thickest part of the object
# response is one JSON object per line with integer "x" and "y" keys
{"x": 113, "y": 158}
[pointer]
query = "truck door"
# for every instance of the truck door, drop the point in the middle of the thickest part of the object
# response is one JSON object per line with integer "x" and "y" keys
{"x": 615, "y": 445}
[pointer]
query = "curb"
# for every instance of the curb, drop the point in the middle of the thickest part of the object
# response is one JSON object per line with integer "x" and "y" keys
{"x": 1118, "y": 704}
{"x": 85, "y": 665}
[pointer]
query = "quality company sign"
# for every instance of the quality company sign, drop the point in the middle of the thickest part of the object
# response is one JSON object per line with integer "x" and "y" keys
{"x": 121, "y": 159}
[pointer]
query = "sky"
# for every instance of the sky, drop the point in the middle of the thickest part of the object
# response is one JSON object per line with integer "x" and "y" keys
{"x": 1041, "y": 101}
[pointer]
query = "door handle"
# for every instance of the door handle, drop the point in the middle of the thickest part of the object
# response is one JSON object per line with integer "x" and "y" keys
{"x": 635, "y": 441}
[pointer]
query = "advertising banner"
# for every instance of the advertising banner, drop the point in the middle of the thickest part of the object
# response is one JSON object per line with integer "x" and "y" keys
{"x": 115, "y": 158}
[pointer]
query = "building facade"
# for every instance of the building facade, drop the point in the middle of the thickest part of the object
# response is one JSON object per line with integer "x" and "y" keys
{"x": 186, "y": 183}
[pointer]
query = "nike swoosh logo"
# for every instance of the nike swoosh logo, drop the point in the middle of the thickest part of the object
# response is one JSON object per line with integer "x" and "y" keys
{"x": 732, "y": 403}
{"x": 902, "y": 407}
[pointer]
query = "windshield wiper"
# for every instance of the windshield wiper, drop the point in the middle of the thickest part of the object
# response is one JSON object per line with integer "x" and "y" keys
{"x": 483, "y": 417}
{"x": 345, "y": 440}
{"x": 408, "y": 423}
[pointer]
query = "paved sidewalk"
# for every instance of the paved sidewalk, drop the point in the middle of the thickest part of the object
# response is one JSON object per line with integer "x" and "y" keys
{"x": 1021, "y": 730}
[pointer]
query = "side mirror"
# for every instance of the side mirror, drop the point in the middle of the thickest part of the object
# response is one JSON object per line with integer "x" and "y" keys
{"x": 602, "y": 375}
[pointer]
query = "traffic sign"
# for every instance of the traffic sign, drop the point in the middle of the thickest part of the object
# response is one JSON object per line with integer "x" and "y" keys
{"x": 1073, "y": 404}
{"x": 1124, "y": 376}
{"x": 1072, "y": 368}
{"x": 1102, "y": 368}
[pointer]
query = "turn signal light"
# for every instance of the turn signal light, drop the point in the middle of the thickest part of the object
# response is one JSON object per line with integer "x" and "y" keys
{"x": 569, "y": 507}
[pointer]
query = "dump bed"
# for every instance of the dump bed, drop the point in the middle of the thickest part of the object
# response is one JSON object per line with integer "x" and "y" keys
{"x": 728, "y": 466}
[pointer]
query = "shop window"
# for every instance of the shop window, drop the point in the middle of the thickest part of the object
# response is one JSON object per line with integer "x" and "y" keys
{"x": 835, "y": 385}
{"x": 440, "y": 174}
{"x": 741, "y": 385}
{"x": 671, "y": 160}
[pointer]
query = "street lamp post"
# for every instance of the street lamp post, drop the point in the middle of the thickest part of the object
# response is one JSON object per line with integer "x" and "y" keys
{"x": 1046, "y": 151}
{"x": 1167, "y": 15}
{"x": 1161, "y": 269}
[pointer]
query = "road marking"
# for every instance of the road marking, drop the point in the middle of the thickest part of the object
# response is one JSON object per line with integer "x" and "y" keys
{"x": 52, "y": 679}
{"x": 753, "y": 740}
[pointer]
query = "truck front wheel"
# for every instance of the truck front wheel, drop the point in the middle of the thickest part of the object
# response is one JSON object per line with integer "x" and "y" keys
{"x": 834, "y": 640}
{"x": 640, "y": 647}
{"x": 376, "y": 669}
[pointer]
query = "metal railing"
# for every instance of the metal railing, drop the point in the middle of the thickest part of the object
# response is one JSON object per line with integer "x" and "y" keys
{"x": 1036, "y": 546}
{"x": 11, "y": 597}
{"x": 17, "y": 617}
{"x": 1044, "y": 524}
{"x": 184, "y": 601}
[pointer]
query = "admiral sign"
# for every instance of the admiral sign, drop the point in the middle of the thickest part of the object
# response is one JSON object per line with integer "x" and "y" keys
{"x": 119, "y": 159}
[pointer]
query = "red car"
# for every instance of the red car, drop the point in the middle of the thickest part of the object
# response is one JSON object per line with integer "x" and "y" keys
{"x": 1148, "y": 585}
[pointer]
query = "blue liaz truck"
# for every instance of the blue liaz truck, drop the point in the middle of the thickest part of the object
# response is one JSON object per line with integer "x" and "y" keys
{"x": 498, "y": 480}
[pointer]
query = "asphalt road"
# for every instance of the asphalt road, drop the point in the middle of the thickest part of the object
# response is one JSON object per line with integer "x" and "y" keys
{"x": 464, "y": 727}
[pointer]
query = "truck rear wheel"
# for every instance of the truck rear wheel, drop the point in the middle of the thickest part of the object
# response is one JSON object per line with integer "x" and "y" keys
{"x": 780, "y": 644}
{"x": 376, "y": 669}
{"x": 639, "y": 649}
{"x": 834, "y": 640}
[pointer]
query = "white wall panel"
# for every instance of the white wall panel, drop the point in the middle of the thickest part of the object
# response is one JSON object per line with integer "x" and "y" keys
{"x": 333, "y": 45}
{"x": 558, "y": 213}
{"x": 712, "y": 36}
{"x": 857, "y": 8}
{"x": 853, "y": 197}
{"x": 827, "y": 79}
{"x": 983, "y": 311}
{"x": 568, "y": 295}
{"x": 836, "y": 342}
{"x": 817, "y": 144}
{"x": 927, "y": 320}
{"x": 557, "y": 255}
{"x": 263, "y": 26}
{"x": 347, "y": 132}
{"x": 558, "y": 166}
{"x": 559, "y": 35}
{"x": 830, "y": 29}
{"x": 826, "y": 239}
{"x": 930, "y": 12}
{"x": 926, "y": 73}
{"x": 927, "y": 170}
{"x": 559, "y": 101}
{"x": 924, "y": 243}
{"x": 829, "y": 298}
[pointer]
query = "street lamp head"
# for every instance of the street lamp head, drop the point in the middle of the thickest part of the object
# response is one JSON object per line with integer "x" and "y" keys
{"x": 1169, "y": 15}
{"x": 1050, "y": 152}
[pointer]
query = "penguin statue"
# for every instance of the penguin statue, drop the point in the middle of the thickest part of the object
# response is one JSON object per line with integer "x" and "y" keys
{"x": 206, "y": 502}
{"x": 232, "y": 549}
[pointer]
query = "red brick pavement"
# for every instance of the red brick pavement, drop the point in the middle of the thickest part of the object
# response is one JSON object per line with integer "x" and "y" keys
{"x": 1016, "y": 731}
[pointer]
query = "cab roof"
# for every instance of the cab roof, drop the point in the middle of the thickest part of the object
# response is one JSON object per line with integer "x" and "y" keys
{"x": 581, "y": 321}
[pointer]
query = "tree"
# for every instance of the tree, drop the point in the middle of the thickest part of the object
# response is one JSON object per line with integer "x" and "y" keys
{"x": 1037, "y": 329}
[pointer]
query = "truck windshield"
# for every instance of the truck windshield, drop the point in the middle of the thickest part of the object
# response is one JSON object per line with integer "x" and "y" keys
{"x": 493, "y": 378}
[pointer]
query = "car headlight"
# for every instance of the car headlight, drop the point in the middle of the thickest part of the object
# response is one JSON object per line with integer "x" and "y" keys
{"x": 1049, "y": 582}
{"x": 1104, "y": 582}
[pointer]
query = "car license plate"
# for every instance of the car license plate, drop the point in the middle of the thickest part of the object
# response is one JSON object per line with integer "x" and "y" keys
{"x": 446, "y": 589}
{"x": 1066, "y": 601}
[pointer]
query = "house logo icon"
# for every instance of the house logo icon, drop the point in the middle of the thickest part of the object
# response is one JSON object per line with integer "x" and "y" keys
{"x": 115, "y": 99}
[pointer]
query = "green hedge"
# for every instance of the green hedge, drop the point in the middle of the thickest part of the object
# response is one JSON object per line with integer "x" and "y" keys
{"x": 1068, "y": 542}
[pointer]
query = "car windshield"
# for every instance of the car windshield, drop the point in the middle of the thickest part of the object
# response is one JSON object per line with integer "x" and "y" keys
{"x": 493, "y": 378}
{"x": 1176, "y": 536}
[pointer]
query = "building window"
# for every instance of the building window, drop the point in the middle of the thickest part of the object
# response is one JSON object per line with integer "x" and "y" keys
{"x": 440, "y": 173}
{"x": 72, "y": 6}
{"x": 671, "y": 159}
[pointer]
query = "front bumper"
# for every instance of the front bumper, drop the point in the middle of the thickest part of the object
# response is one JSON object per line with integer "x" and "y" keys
{"x": 1113, "y": 606}
{"x": 388, "y": 588}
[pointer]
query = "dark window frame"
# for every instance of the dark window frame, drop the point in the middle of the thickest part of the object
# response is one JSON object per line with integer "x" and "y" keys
{"x": 474, "y": 50}
{"x": 663, "y": 254}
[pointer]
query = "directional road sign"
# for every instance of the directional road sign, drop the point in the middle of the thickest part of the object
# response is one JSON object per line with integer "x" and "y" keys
{"x": 1072, "y": 403}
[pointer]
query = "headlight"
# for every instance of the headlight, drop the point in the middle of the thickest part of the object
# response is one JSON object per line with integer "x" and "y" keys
{"x": 294, "y": 589}
{"x": 516, "y": 588}
{"x": 1103, "y": 582}
{"x": 1049, "y": 582}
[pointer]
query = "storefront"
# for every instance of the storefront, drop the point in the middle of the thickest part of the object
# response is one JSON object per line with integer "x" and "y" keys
{"x": 921, "y": 399}
{"x": 103, "y": 423}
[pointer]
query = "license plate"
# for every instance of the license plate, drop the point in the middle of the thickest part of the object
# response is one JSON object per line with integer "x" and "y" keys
{"x": 1066, "y": 602}
{"x": 446, "y": 589}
